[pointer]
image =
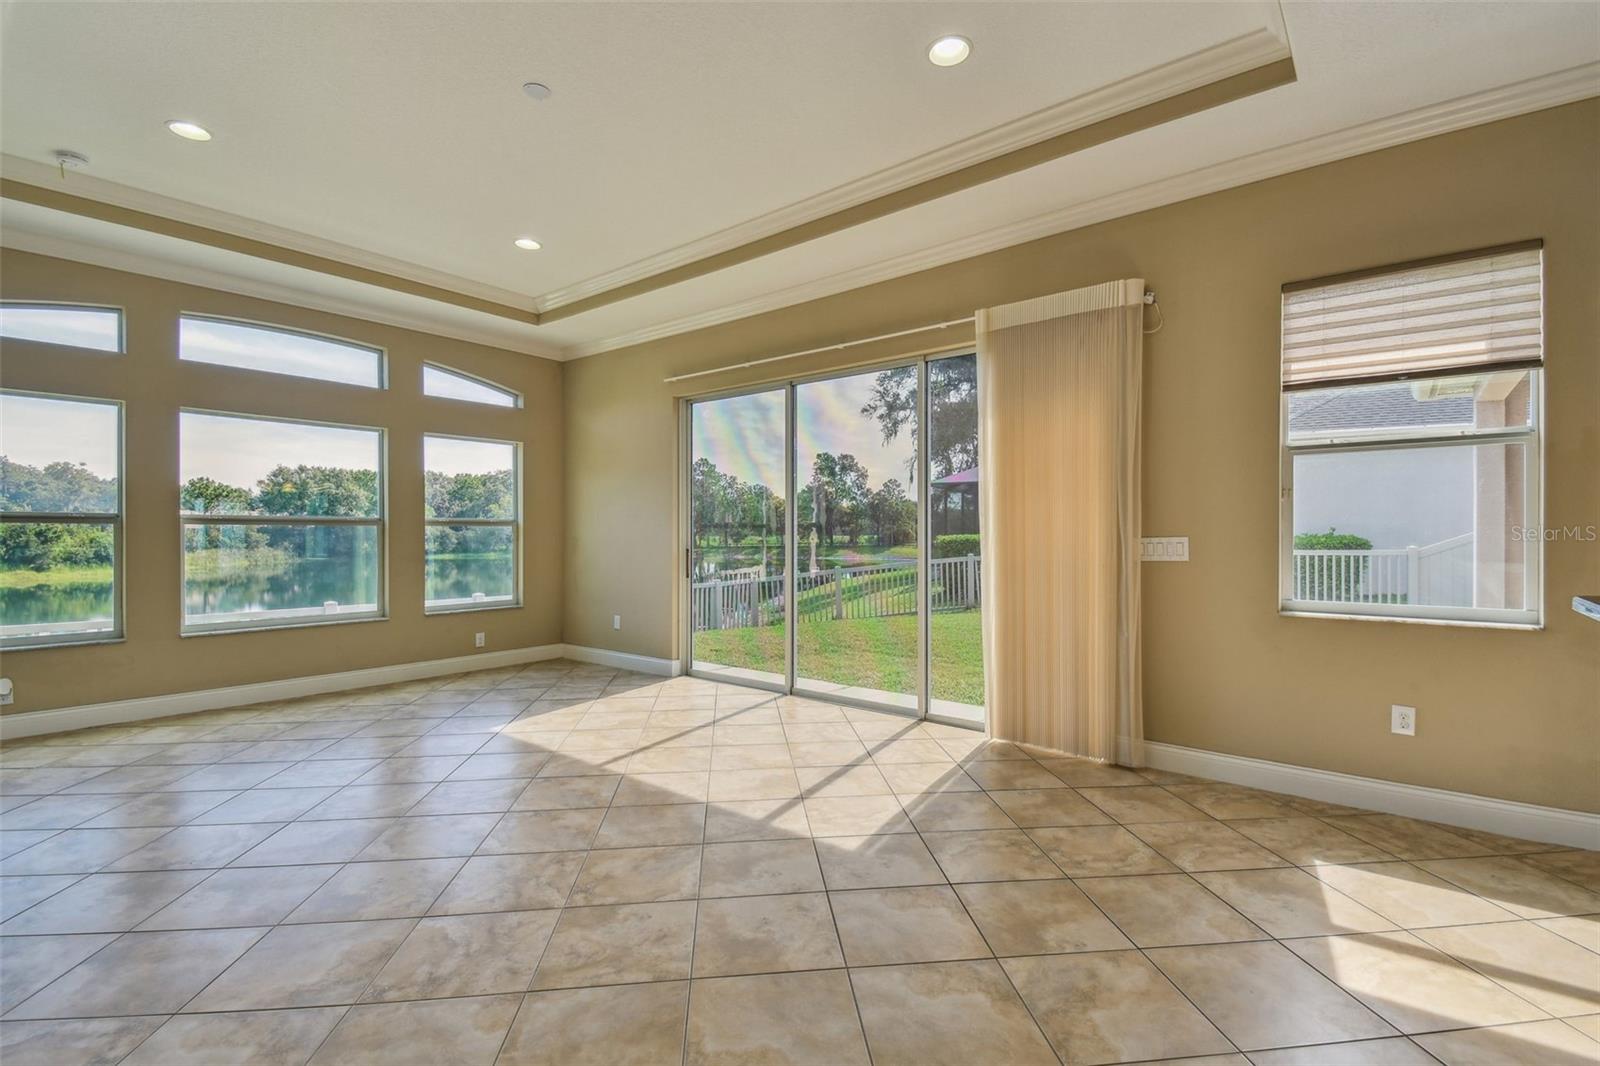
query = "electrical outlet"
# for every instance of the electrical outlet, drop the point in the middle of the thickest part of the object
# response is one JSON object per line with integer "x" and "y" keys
{"x": 1403, "y": 720}
{"x": 616, "y": 621}
{"x": 477, "y": 640}
{"x": 6, "y": 694}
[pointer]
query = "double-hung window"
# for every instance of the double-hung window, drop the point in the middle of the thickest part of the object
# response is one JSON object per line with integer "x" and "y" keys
{"x": 473, "y": 493}
{"x": 282, "y": 522}
{"x": 1411, "y": 451}
{"x": 60, "y": 520}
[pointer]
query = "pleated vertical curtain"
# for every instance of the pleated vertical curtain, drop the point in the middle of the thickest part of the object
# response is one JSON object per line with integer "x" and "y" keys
{"x": 1058, "y": 388}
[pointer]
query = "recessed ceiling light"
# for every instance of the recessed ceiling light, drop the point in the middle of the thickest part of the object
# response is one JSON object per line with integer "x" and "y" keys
{"x": 538, "y": 90}
{"x": 189, "y": 131}
{"x": 527, "y": 244}
{"x": 948, "y": 51}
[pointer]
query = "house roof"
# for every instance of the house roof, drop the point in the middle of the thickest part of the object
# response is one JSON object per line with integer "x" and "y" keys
{"x": 1374, "y": 407}
{"x": 960, "y": 477}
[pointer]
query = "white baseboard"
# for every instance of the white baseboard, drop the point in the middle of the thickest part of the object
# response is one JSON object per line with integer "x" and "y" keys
{"x": 622, "y": 660}
{"x": 64, "y": 719}
{"x": 1528, "y": 821}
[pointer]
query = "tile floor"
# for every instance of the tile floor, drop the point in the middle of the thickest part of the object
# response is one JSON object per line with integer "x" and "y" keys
{"x": 566, "y": 864}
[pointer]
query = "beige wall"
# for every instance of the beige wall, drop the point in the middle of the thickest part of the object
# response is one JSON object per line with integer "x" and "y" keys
{"x": 1513, "y": 714}
{"x": 153, "y": 385}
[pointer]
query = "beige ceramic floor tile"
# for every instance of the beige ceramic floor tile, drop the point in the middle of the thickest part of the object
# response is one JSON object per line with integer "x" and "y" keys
{"x": 623, "y": 1025}
{"x": 1111, "y": 1006}
{"x": 763, "y": 934}
{"x": 437, "y": 836}
{"x": 550, "y": 830}
{"x": 1548, "y": 970}
{"x": 1197, "y": 846}
{"x": 1261, "y": 996}
{"x": 656, "y": 824}
{"x": 756, "y": 820}
{"x": 1414, "y": 987}
{"x": 955, "y": 811}
{"x": 637, "y": 875}
{"x": 140, "y": 973}
{"x": 465, "y": 955}
{"x": 774, "y": 1018}
{"x": 104, "y": 903}
{"x": 87, "y": 1041}
{"x": 1038, "y": 918}
{"x": 511, "y": 883}
{"x": 1583, "y": 930}
{"x": 1409, "y": 896}
{"x": 1099, "y": 851}
{"x": 1407, "y": 838}
{"x": 1292, "y": 903}
{"x": 266, "y": 1037}
{"x": 883, "y": 860}
{"x": 1544, "y": 1043}
{"x": 567, "y": 792}
{"x": 1308, "y": 841}
{"x": 1086, "y": 773}
{"x": 1387, "y": 1051}
{"x": 842, "y": 781}
{"x": 1230, "y": 802}
{"x": 1146, "y": 803}
{"x": 760, "y": 868}
{"x": 364, "y": 890}
{"x": 1012, "y": 773}
{"x": 899, "y": 925}
{"x": 1165, "y": 910}
{"x": 1579, "y": 867}
{"x": 990, "y": 855}
{"x": 31, "y": 962}
{"x": 1032, "y": 807}
{"x": 465, "y": 1031}
{"x": 856, "y": 815}
{"x": 1521, "y": 888}
{"x": 305, "y": 966}
{"x": 947, "y": 1014}
{"x": 618, "y": 945}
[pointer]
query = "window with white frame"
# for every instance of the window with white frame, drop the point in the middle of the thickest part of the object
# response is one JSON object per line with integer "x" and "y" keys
{"x": 72, "y": 325}
{"x": 275, "y": 350}
{"x": 1411, "y": 449}
{"x": 472, "y": 492}
{"x": 60, "y": 520}
{"x": 454, "y": 385}
{"x": 282, "y": 522}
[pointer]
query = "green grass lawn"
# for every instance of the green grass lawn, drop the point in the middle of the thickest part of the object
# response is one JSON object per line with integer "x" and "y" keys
{"x": 873, "y": 652}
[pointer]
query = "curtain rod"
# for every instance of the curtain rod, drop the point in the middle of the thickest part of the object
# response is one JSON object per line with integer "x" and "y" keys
{"x": 1149, "y": 298}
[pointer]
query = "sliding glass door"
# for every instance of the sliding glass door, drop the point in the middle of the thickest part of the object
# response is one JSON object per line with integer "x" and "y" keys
{"x": 737, "y": 562}
{"x": 855, "y": 492}
{"x": 833, "y": 540}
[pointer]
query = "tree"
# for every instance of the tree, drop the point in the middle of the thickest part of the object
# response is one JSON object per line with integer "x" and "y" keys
{"x": 838, "y": 495}
{"x": 953, "y": 410}
{"x": 203, "y": 495}
{"x": 892, "y": 515}
{"x": 318, "y": 490}
{"x": 58, "y": 487}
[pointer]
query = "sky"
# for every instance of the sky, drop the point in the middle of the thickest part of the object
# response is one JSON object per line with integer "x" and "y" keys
{"x": 79, "y": 326}
{"x": 743, "y": 435}
{"x": 242, "y": 451}
{"x": 452, "y": 455}
{"x": 258, "y": 348}
{"x": 37, "y": 431}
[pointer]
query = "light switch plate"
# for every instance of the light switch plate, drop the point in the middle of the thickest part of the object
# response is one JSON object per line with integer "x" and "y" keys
{"x": 1164, "y": 549}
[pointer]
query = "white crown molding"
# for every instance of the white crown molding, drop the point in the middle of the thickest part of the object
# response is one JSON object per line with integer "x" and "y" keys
{"x": 1527, "y": 821}
{"x": 65, "y": 719}
{"x": 496, "y": 333}
{"x": 1535, "y": 94}
{"x": 90, "y": 187}
{"x": 1235, "y": 56}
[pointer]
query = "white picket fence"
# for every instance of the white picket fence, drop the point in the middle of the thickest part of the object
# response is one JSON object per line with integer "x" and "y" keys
{"x": 1438, "y": 574}
{"x": 842, "y": 593}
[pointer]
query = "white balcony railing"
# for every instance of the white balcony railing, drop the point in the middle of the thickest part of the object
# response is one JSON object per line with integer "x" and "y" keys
{"x": 881, "y": 591}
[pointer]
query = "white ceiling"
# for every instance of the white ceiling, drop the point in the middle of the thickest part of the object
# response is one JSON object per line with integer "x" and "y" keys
{"x": 396, "y": 136}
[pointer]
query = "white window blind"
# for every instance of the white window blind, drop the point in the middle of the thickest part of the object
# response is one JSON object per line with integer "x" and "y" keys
{"x": 1478, "y": 311}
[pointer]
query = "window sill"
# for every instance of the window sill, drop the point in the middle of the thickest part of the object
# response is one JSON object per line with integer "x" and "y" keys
{"x": 8, "y": 649}
{"x": 1469, "y": 623}
{"x": 266, "y": 627}
{"x": 469, "y": 609}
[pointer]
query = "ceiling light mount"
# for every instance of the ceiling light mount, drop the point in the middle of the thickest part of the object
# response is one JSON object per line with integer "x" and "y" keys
{"x": 67, "y": 159}
{"x": 536, "y": 90}
{"x": 949, "y": 50}
{"x": 527, "y": 244}
{"x": 189, "y": 131}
